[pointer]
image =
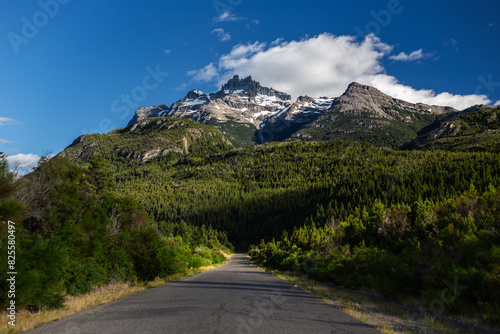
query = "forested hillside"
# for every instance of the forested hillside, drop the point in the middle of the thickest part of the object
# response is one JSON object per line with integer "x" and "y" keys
{"x": 74, "y": 231}
{"x": 259, "y": 191}
{"x": 445, "y": 255}
{"x": 475, "y": 130}
{"x": 149, "y": 138}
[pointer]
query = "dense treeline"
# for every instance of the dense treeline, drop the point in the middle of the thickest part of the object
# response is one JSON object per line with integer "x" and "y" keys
{"x": 447, "y": 254}
{"x": 74, "y": 232}
{"x": 258, "y": 192}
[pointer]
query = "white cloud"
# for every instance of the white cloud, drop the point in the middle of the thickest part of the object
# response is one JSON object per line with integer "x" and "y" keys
{"x": 223, "y": 36}
{"x": 323, "y": 65}
{"x": 255, "y": 21}
{"x": 7, "y": 121}
{"x": 226, "y": 17}
{"x": 415, "y": 55}
{"x": 277, "y": 41}
{"x": 497, "y": 103}
{"x": 167, "y": 51}
{"x": 390, "y": 85}
{"x": 206, "y": 74}
{"x": 3, "y": 141}
{"x": 23, "y": 162}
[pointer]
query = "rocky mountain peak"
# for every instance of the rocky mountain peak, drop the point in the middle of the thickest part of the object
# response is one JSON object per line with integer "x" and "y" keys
{"x": 357, "y": 87}
{"x": 247, "y": 113}
{"x": 237, "y": 84}
{"x": 250, "y": 88}
{"x": 194, "y": 94}
{"x": 148, "y": 112}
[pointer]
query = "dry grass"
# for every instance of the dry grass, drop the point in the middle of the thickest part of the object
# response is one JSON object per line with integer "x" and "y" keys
{"x": 385, "y": 317}
{"x": 227, "y": 255}
{"x": 101, "y": 295}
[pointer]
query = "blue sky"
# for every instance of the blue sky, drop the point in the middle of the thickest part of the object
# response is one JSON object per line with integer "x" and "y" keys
{"x": 69, "y": 67}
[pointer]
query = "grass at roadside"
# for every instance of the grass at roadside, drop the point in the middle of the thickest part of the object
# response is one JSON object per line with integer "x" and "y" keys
{"x": 385, "y": 316}
{"x": 26, "y": 320}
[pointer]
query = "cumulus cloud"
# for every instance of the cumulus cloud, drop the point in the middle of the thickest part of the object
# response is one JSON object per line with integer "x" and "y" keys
{"x": 226, "y": 17}
{"x": 206, "y": 74}
{"x": 497, "y": 103}
{"x": 323, "y": 65}
{"x": 223, "y": 36}
{"x": 390, "y": 85}
{"x": 23, "y": 162}
{"x": 7, "y": 121}
{"x": 415, "y": 55}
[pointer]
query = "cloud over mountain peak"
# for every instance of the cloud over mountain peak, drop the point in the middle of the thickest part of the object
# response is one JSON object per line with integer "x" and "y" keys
{"x": 324, "y": 65}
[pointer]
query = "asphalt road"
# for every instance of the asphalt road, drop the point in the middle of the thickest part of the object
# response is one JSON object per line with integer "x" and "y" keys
{"x": 233, "y": 298}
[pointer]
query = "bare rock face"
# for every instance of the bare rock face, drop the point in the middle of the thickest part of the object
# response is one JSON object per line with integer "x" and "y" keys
{"x": 264, "y": 114}
{"x": 148, "y": 112}
{"x": 361, "y": 113}
{"x": 250, "y": 88}
{"x": 243, "y": 101}
{"x": 361, "y": 98}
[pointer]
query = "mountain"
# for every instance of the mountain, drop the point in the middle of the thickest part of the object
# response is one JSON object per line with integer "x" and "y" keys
{"x": 474, "y": 129}
{"x": 148, "y": 112}
{"x": 362, "y": 113}
{"x": 248, "y": 113}
{"x": 237, "y": 109}
{"x": 149, "y": 138}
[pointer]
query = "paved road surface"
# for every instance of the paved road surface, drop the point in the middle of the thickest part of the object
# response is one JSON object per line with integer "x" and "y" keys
{"x": 233, "y": 298}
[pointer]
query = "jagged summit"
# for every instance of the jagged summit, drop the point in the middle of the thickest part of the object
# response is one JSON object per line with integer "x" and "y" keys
{"x": 247, "y": 112}
{"x": 235, "y": 84}
{"x": 250, "y": 88}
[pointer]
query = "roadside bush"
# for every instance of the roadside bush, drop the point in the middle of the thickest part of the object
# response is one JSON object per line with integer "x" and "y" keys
{"x": 427, "y": 250}
{"x": 41, "y": 264}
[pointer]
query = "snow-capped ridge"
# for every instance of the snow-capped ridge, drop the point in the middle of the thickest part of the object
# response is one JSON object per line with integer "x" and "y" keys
{"x": 245, "y": 103}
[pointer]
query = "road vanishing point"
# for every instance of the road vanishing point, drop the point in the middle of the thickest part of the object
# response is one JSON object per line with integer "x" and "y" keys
{"x": 232, "y": 298}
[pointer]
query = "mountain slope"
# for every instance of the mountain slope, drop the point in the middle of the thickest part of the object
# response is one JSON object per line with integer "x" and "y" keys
{"x": 248, "y": 113}
{"x": 237, "y": 110}
{"x": 149, "y": 138}
{"x": 475, "y": 129}
{"x": 362, "y": 113}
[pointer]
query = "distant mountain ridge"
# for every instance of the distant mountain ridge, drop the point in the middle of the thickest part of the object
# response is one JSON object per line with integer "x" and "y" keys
{"x": 362, "y": 113}
{"x": 249, "y": 113}
{"x": 475, "y": 129}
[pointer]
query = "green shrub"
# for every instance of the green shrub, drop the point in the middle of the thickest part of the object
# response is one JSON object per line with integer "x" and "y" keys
{"x": 40, "y": 284}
